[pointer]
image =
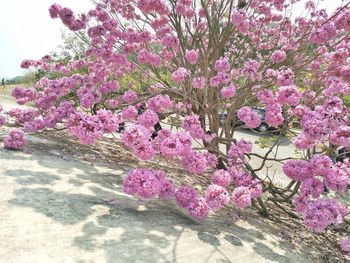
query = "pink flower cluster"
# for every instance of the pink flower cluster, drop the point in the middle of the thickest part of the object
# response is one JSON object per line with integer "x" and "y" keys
{"x": 222, "y": 65}
{"x": 130, "y": 96}
{"x": 135, "y": 134}
{"x": 221, "y": 78}
{"x": 160, "y": 103}
{"x": 216, "y": 197}
{"x": 221, "y": 177}
{"x": 184, "y": 8}
{"x": 129, "y": 113}
{"x": 246, "y": 189}
{"x": 273, "y": 115}
{"x": 199, "y": 82}
{"x": 88, "y": 97}
{"x": 180, "y": 75}
{"x": 68, "y": 18}
{"x": 170, "y": 41}
{"x": 176, "y": 144}
{"x": 237, "y": 150}
{"x": 138, "y": 137}
{"x": 198, "y": 208}
{"x": 187, "y": 197}
{"x": 312, "y": 187}
{"x": 239, "y": 19}
{"x": 289, "y": 95}
{"x": 35, "y": 125}
{"x": 341, "y": 136}
{"x": 241, "y": 197}
{"x": 228, "y": 92}
{"x": 250, "y": 118}
{"x": 251, "y": 68}
{"x": 323, "y": 34}
{"x": 148, "y": 119}
{"x": 298, "y": 169}
{"x": 88, "y": 129}
{"x": 109, "y": 86}
{"x": 285, "y": 77}
{"x": 338, "y": 177}
{"x": 318, "y": 213}
{"x": 156, "y": 6}
{"x": 345, "y": 244}
{"x": 191, "y": 56}
{"x": 23, "y": 95}
{"x": 148, "y": 184}
{"x": 266, "y": 96}
{"x": 321, "y": 213}
{"x": 195, "y": 162}
{"x": 113, "y": 104}
{"x": 342, "y": 21}
{"x": 151, "y": 58}
{"x": 24, "y": 115}
{"x": 15, "y": 140}
{"x": 278, "y": 56}
{"x": 192, "y": 124}
{"x": 242, "y": 178}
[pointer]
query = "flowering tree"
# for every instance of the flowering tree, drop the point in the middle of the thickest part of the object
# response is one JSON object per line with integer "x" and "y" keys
{"x": 206, "y": 63}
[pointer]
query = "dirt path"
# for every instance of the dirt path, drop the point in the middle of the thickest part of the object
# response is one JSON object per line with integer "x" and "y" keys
{"x": 57, "y": 210}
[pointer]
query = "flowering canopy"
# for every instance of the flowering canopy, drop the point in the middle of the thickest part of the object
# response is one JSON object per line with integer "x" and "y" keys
{"x": 199, "y": 61}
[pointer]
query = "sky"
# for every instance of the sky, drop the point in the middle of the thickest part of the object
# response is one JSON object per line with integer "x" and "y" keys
{"x": 28, "y": 32}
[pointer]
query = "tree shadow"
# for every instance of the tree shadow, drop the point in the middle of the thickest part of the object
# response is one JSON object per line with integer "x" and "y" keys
{"x": 77, "y": 195}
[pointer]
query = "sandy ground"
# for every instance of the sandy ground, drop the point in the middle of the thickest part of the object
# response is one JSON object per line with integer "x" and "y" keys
{"x": 56, "y": 210}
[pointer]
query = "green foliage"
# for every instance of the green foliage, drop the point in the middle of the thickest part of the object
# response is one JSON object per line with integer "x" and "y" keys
{"x": 346, "y": 100}
{"x": 15, "y": 80}
{"x": 298, "y": 154}
{"x": 175, "y": 121}
{"x": 139, "y": 84}
{"x": 266, "y": 142}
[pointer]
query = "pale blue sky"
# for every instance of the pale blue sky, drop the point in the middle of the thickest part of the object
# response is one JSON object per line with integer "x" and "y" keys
{"x": 28, "y": 32}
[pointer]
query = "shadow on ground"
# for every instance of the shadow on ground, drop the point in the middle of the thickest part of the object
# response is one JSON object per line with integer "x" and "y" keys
{"x": 57, "y": 210}
{"x": 131, "y": 230}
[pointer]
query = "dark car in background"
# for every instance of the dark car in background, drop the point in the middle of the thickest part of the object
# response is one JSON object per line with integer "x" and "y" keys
{"x": 339, "y": 153}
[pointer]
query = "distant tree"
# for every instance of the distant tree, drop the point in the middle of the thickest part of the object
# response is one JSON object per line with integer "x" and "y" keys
{"x": 29, "y": 77}
{"x": 73, "y": 47}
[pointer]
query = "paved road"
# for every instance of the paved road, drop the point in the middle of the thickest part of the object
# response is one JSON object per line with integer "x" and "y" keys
{"x": 272, "y": 169}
